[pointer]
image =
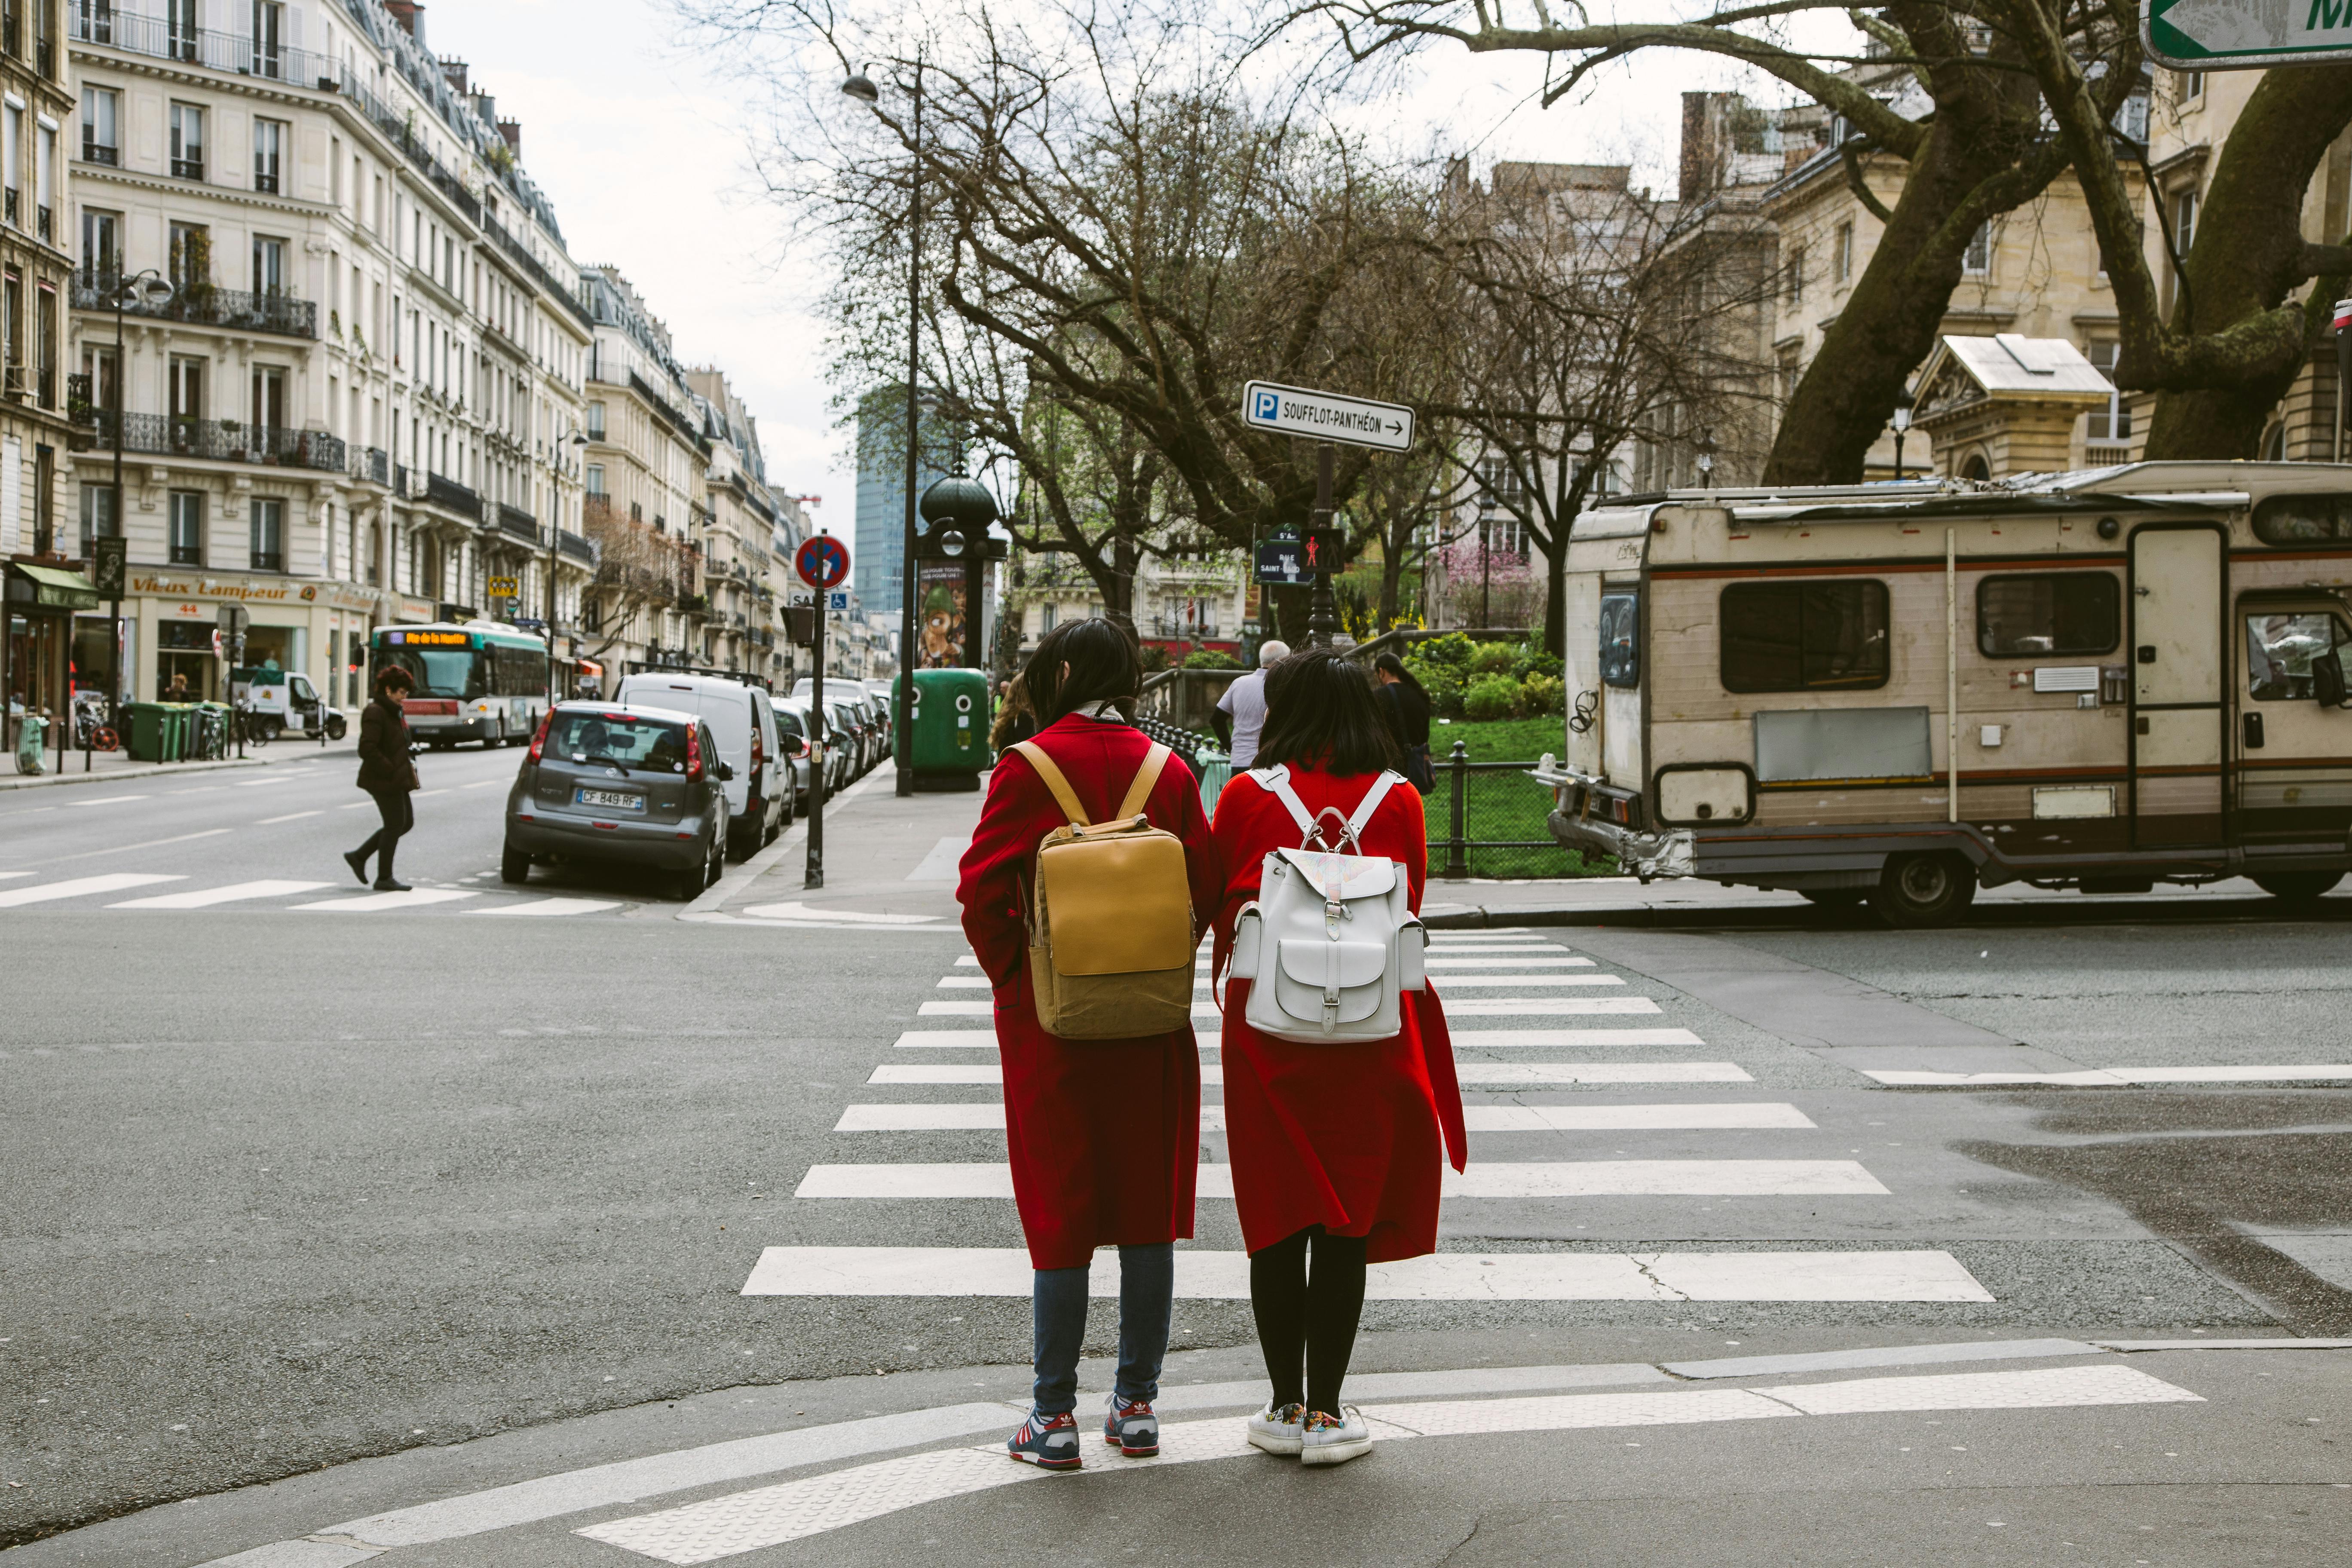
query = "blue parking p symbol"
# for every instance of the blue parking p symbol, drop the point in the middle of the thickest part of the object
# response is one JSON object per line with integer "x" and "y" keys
{"x": 1269, "y": 404}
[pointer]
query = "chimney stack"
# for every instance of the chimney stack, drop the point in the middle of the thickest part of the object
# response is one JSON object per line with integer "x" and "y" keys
{"x": 512, "y": 130}
{"x": 453, "y": 71}
{"x": 409, "y": 14}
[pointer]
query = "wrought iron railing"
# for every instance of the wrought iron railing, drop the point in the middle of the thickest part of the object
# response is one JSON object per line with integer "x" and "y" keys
{"x": 218, "y": 440}
{"x": 370, "y": 465}
{"x": 449, "y": 493}
{"x": 573, "y": 545}
{"x": 513, "y": 520}
{"x": 165, "y": 38}
{"x": 201, "y": 304}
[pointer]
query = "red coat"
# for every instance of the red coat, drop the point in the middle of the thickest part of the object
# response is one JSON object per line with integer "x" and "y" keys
{"x": 1104, "y": 1135}
{"x": 1350, "y": 1137}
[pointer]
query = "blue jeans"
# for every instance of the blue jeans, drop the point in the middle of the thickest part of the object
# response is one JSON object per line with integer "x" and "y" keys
{"x": 1147, "y": 1294}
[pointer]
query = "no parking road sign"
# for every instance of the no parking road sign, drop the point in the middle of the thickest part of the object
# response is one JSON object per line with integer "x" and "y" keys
{"x": 821, "y": 560}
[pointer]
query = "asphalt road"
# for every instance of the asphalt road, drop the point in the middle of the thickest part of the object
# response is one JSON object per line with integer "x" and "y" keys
{"x": 282, "y": 1188}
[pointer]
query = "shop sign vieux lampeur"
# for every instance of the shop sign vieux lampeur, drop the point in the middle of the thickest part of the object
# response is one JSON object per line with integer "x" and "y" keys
{"x": 263, "y": 590}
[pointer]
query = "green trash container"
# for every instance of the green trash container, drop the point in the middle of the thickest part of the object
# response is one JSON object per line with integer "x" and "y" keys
{"x": 146, "y": 723}
{"x": 179, "y": 727}
{"x": 947, "y": 742}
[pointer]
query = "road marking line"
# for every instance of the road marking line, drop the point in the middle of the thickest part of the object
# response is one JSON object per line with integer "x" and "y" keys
{"x": 106, "y": 800}
{"x": 415, "y": 897}
{"x": 942, "y": 863}
{"x": 1512, "y": 1179}
{"x": 1542, "y": 1006}
{"x": 959, "y": 1010}
{"x": 1205, "y": 1274}
{"x": 79, "y": 887}
{"x": 1434, "y": 961}
{"x": 967, "y": 962}
{"x": 945, "y": 1039}
{"x": 551, "y": 907}
{"x": 12, "y": 876}
{"x": 291, "y": 816}
{"x": 1493, "y": 1075}
{"x": 260, "y": 783}
{"x": 1201, "y": 980}
{"x": 210, "y": 895}
{"x": 988, "y": 1116}
{"x": 1513, "y": 1039}
{"x": 422, "y": 793}
{"x": 966, "y": 982}
{"x": 799, "y": 912}
{"x": 358, "y": 805}
{"x": 2110, "y": 1077}
{"x": 484, "y": 783}
{"x": 1439, "y": 944}
{"x": 127, "y": 848}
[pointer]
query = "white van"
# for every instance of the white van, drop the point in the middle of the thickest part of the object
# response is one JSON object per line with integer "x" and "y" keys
{"x": 745, "y": 728}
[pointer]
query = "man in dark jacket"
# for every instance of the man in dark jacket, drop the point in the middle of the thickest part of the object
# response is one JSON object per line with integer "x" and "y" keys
{"x": 387, "y": 774}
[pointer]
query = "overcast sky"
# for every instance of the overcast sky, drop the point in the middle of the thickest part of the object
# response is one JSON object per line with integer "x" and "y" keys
{"x": 644, "y": 148}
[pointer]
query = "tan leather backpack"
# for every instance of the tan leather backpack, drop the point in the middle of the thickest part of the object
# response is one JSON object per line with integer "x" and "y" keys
{"x": 1110, "y": 928}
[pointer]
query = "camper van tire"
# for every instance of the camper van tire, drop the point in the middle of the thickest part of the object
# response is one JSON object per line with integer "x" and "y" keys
{"x": 2298, "y": 887}
{"x": 1920, "y": 890}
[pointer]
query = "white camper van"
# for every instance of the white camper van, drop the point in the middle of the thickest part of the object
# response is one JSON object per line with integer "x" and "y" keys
{"x": 1902, "y": 692}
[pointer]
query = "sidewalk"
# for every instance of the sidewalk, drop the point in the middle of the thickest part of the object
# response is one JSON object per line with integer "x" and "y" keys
{"x": 116, "y": 766}
{"x": 887, "y": 862}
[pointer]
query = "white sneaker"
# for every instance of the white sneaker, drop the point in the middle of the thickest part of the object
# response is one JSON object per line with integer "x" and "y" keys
{"x": 1334, "y": 1439}
{"x": 1276, "y": 1428}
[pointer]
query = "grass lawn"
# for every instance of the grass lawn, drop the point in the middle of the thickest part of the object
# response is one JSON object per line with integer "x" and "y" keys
{"x": 1503, "y": 804}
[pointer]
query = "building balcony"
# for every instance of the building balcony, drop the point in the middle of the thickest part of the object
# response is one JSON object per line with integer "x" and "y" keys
{"x": 371, "y": 466}
{"x": 96, "y": 151}
{"x": 188, "y": 169}
{"x": 576, "y": 547}
{"x": 204, "y": 305}
{"x": 454, "y": 497}
{"x": 103, "y": 23}
{"x": 215, "y": 440}
{"x": 515, "y": 521}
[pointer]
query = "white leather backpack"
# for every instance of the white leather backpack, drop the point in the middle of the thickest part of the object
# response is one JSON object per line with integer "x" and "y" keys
{"x": 1329, "y": 942}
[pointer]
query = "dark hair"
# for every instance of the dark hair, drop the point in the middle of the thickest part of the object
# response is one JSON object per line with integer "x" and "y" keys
{"x": 393, "y": 675}
{"x": 1104, "y": 668}
{"x": 1395, "y": 666}
{"x": 1319, "y": 713}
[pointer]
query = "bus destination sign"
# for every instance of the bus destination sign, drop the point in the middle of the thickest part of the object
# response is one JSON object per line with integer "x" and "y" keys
{"x": 429, "y": 639}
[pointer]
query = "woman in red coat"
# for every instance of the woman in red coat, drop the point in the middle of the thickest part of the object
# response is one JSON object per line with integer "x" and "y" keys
{"x": 1104, "y": 1135}
{"x": 1338, "y": 1145}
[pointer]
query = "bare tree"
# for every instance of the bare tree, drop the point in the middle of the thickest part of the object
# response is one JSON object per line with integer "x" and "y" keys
{"x": 640, "y": 572}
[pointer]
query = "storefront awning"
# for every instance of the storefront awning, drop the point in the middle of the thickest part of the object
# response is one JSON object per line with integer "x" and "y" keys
{"x": 47, "y": 588}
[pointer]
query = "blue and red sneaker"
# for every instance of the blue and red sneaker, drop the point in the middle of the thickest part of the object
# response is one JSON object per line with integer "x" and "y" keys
{"x": 1050, "y": 1442}
{"x": 1133, "y": 1427}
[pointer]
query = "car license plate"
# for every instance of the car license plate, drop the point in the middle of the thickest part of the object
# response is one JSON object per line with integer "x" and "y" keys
{"x": 612, "y": 799}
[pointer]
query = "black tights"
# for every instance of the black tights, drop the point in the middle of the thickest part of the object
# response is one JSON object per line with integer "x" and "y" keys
{"x": 1309, "y": 1320}
{"x": 398, "y": 816}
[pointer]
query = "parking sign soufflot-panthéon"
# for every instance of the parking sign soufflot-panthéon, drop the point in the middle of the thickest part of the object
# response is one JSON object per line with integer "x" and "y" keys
{"x": 1322, "y": 417}
{"x": 822, "y": 562}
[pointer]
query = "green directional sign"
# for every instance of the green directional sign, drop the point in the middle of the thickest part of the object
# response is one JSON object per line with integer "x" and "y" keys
{"x": 2247, "y": 35}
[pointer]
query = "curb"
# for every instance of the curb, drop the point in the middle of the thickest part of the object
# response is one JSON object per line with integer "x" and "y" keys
{"x": 736, "y": 878}
{"x": 118, "y": 775}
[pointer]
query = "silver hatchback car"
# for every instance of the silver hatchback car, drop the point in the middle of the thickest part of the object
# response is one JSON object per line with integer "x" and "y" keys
{"x": 631, "y": 785}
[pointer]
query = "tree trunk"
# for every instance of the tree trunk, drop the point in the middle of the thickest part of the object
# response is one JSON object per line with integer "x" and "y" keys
{"x": 2247, "y": 253}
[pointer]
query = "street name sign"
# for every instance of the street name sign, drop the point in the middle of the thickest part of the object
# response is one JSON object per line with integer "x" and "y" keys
{"x": 2245, "y": 34}
{"x": 821, "y": 560}
{"x": 1329, "y": 417}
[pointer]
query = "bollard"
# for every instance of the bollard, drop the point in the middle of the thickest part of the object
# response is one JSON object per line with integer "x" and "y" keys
{"x": 1457, "y": 841}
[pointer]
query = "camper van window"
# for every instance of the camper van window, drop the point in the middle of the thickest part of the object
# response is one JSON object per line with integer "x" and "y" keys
{"x": 1804, "y": 637}
{"x": 2048, "y": 613}
{"x": 2278, "y": 651}
{"x": 1621, "y": 639}
{"x": 2303, "y": 519}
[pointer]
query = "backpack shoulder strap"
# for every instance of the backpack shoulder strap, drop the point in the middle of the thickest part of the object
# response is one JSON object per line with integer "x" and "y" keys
{"x": 1370, "y": 803}
{"x": 1146, "y": 777}
{"x": 1275, "y": 782}
{"x": 1064, "y": 796}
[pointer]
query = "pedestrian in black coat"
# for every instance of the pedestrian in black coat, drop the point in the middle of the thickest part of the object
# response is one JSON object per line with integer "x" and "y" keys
{"x": 388, "y": 775}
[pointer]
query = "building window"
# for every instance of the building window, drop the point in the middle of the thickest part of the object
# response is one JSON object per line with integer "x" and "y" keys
{"x": 268, "y": 265}
{"x": 100, "y": 109}
{"x": 2112, "y": 422}
{"x": 1797, "y": 275}
{"x": 596, "y": 479}
{"x": 101, "y": 245}
{"x": 2184, "y": 221}
{"x": 44, "y": 346}
{"x": 1976, "y": 261}
{"x": 268, "y": 39}
{"x": 180, "y": 28}
{"x": 268, "y": 149}
{"x": 192, "y": 256}
{"x": 1805, "y": 637}
{"x": 1844, "y": 253}
{"x": 595, "y": 422}
{"x": 268, "y": 397}
{"x": 94, "y": 21}
{"x": 188, "y": 528}
{"x": 269, "y": 530}
{"x": 2191, "y": 85}
{"x": 97, "y": 519}
{"x": 45, "y": 184}
{"x": 11, "y": 150}
{"x": 2048, "y": 613}
{"x": 187, "y": 389}
{"x": 45, "y": 500}
{"x": 187, "y": 141}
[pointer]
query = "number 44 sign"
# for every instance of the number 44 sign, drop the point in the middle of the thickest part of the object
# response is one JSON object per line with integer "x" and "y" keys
{"x": 2243, "y": 34}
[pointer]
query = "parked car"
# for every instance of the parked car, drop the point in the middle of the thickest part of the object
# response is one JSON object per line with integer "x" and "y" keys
{"x": 880, "y": 691}
{"x": 745, "y": 726}
{"x": 800, "y": 749}
{"x": 610, "y": 782}
{"x": 848, "y": 743}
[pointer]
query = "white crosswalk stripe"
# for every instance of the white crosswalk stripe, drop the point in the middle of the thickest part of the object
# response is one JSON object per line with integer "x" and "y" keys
{"x": 205, "y": 898}
{"x": 1506, "y": 996}
{"x": 551, "y": 907}
{"x": 78, "y": 886}
{"x": 260, "y": 892}
{"x": 373, "y": 903}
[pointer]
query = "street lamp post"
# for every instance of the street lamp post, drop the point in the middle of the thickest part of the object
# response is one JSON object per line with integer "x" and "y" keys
{"x": 1903, "y": 404}
{"x": 554, "y": 538}
{"x": 861, "y": 87}
{"x": 151, "y": 290}
{"x": 1486, "y": 554}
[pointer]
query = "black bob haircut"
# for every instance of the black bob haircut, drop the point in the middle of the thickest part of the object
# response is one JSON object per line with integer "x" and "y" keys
{"x": 1104, "y": 668}
{"x": 1320, "y": 714}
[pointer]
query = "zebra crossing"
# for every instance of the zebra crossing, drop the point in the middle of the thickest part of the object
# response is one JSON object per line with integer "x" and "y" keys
{"x": 280, "y": 894}
{"x": 1536, "y": 992}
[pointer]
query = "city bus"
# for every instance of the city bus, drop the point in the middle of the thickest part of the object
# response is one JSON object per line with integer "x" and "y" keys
{"x": 480, "y": 682}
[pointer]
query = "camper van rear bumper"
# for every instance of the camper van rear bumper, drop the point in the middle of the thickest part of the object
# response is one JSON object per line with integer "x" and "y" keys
{"x": 1648, "y": 855}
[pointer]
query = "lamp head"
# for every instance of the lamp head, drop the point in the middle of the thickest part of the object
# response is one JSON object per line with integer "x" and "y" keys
{"x": 861, "y": 87}
{"x": 1902, "y": 405}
